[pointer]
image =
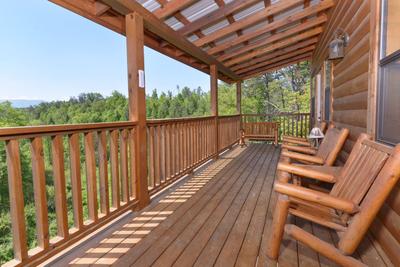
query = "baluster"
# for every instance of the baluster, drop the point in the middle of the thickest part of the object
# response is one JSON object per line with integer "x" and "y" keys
{"x": 124, "y": 165}
{"x": 91, "y": 176}
{"x": 132, "y": 169}
{"x": 39, "y": 184}
{"x": 59, "y": 186}
{"x": 151, "y": 163}
{"x": 16, "y": 200}
{"x": 157, "y": 147}
{"x": 103, "y": 173}
{"x": 114, "y": 169}
{"x": 162, "y": 153}
{"x": 76, "y": 181}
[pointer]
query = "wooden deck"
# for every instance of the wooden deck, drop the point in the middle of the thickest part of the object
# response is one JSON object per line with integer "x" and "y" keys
{"x": 220, "y": 216}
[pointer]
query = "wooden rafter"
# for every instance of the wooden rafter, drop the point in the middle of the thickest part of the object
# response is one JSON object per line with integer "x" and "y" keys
{"x": 277, "y": 53}
{"x": 277, "y": 66}
{"x": 273, "y": 26}
{"x": 248, "y": 21}
{"x": 276, "y": 37}
{"x": 281, "y": 44}
{"x": 283, "y": 57}
{"x": 216, "y": 15}
{"x": 172, "y": 7}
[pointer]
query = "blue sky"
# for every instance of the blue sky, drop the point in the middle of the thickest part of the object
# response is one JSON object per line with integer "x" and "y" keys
{"x": 49, "y": 53}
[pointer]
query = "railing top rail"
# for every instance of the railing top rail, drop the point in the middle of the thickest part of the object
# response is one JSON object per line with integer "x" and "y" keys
{"x": 175, "y": 120}
{"x": 229, "y": 116}
{"x": 276, "y": 114}
{"x": 29, "y": 131}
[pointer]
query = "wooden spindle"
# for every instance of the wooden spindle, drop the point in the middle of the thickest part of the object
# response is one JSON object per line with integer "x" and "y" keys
{"x": 59, "y": 186}
{"x": 132, "y": 169}
{"x": 39, "y": 185}
{"x": 151, "y": 154}
{"x": 76, "y": 181}
{"x": 114, "y": 169}
{"x": 16, "y": 200}
{"x": 124, "y": 165}
{"x": 103, "y": 173}
{"x": 91, "y": 177}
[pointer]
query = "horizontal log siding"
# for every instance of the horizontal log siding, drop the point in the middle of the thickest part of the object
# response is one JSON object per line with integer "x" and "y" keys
{"x": 350, "y": 102}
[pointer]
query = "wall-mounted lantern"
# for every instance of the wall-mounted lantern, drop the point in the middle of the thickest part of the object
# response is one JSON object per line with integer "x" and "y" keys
{"x": 336, "y": 47}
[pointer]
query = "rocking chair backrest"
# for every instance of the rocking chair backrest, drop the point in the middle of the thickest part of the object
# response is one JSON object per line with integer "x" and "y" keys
{"x": 362, "y": 167}
{"x": 374, "y": 173}
{"x": 332, "y": 144}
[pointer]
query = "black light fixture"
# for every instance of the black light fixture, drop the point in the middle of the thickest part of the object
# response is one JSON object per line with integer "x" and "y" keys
{"x": 337, "y": 45}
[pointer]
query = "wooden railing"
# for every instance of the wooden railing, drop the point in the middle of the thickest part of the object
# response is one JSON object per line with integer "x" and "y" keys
{"x": 296, "y": 124}
{"x": 83, "y": 176}
{"x": 83, "y": 202}
{"x": 228, "y": 131}
{"x": 177, "y": 146}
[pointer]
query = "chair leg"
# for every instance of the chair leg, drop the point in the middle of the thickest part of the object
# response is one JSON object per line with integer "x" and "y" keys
{"x": 322, "y": 247}
{"x": 278, "y": 224}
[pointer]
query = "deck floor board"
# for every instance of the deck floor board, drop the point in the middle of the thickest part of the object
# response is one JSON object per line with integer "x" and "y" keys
{"x": 220, "y": 216}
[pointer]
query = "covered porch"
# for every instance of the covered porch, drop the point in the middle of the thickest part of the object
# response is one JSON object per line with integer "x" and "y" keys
{"x": 182, "y": 191}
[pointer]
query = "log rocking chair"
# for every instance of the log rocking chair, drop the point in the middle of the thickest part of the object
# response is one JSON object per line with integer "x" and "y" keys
{"x": 325, "y": 154}
{"x": 360, "y": 189}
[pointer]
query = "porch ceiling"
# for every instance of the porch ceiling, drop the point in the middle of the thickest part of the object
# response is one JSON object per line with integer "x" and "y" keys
{"x": 244, "y": 38}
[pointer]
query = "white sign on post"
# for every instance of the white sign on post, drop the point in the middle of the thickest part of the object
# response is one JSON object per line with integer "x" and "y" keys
{"x": 141, "y": 78}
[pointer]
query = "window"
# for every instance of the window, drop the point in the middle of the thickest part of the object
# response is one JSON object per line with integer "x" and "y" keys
{"x": 388, "y": 124}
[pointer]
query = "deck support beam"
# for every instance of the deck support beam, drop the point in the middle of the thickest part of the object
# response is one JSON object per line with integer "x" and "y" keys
{"x": 214, "y": 101}
{"x": 137, "y": 101}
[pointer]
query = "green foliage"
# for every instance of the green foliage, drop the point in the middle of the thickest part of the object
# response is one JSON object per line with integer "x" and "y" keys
{"x": 286, "y": 90}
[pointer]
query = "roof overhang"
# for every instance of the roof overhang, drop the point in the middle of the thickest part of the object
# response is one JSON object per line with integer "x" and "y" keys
{"x": 243, "y": 38}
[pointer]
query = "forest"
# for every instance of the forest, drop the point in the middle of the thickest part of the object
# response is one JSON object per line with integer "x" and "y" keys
{"x": 286, "y": 90}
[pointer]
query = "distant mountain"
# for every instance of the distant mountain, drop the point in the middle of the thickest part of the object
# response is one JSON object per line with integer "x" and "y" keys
{"x": 23, "y": 103}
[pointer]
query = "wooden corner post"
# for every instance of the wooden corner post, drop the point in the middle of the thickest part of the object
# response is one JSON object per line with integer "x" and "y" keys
{"x": 239, "y": 97}
{"x": 137, "y": 101}
{"x": 214, "y": 102}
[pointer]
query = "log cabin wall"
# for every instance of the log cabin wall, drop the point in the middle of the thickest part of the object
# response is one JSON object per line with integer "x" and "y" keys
{"x": 353, "y": 100}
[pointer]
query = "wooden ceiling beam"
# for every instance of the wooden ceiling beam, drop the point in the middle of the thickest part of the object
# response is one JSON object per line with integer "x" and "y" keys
{"x": 276, "y": 67}
{"x": 275, "y": 37}
{"x": 269, "y": 56}
{"x": 248, "y": 21}
{"x": 171, "y": 7}
{"x": 100, "y": 8}
{"x": 273, "y": 26}
{"x": 284, "y": 43}
{"x": 305, "y": 50}
{"x": 159, "y": 28}
{"x": 216, "y": 16}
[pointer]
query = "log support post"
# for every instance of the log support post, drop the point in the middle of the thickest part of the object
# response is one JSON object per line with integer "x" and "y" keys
{"x": 242, "y": 142}
{"x": 214, "y": 103}
{"x": 137, "y": 101}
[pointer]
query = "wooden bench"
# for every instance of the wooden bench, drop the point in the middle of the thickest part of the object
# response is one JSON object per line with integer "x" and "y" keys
{"x": 265, "y": 131}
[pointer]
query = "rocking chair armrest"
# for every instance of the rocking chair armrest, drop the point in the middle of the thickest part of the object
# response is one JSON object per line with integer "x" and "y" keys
{"x": 301, "y": 149}
{"x": 304, "y": 171}
{"x": 299, "y": 156}
{"x": 293, "y": 138}
{"x": 316, "y": 197}
{"x": 296, "y": 142}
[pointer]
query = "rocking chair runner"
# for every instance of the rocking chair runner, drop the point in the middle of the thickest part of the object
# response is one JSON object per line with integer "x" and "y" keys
{"x": 327, "y": 152}
{"x": 294, "y": 140}
{"x": 361, "y": 188}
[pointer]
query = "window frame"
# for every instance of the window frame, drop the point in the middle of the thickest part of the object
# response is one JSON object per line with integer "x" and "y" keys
{"x": 384, "y": 60}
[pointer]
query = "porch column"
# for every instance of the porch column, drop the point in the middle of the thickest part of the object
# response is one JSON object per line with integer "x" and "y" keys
{"x": 137, "y": 101}
{"x": 214, "y": 101}
{"x": 239, "y": 97}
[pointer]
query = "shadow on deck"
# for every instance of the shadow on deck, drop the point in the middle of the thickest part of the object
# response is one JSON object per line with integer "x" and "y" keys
{"x": 219, "y": 216}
